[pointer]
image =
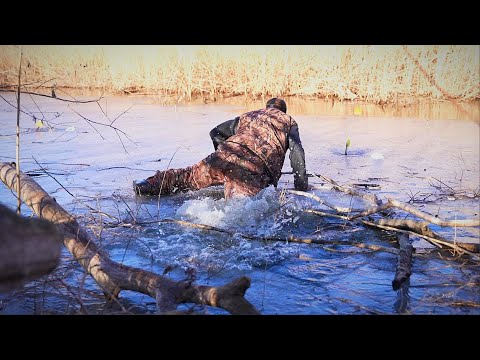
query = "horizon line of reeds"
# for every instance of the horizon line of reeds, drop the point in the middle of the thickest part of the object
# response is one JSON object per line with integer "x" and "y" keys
{"x": 377, "y": 74}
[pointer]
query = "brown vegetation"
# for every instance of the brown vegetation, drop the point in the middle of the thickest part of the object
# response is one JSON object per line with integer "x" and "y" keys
{"x": 378, "y": 74}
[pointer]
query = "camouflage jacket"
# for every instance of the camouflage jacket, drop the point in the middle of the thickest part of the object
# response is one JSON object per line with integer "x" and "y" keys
{"x": 259, "y": 141}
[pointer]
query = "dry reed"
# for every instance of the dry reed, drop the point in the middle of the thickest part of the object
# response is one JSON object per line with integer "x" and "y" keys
{"x": 378, "y": 74}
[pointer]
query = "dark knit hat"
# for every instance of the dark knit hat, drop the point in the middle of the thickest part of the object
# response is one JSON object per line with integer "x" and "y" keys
{"x": 277, "y": 103}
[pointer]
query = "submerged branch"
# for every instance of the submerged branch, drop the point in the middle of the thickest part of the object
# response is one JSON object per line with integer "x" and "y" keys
{"x": 320, "y": 201}
{"x": 404, "y": 263}
{"x": 284, "y": 238}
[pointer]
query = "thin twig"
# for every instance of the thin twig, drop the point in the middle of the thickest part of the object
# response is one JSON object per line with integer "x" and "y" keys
{"x": 57, "y": 98}
{"x": 17, "y": 147}
{"x": 123, "y": 167}
{"x": 27, "y": 84}
{"x": 43, "y": 83}
{"x": 43, "y": 116}
{"x": 9, "y": 103}
{"x": 101, "y": 124}
{"x": 119, "y": 115}
{"x": 76, "y": 198}
{"x": 321, "y": 213}
{"x": 161, "y": 184}
{"x": 372, "y": 210}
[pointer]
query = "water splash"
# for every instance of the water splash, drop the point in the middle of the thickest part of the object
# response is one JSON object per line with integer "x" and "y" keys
{"x": 263, "y": 213}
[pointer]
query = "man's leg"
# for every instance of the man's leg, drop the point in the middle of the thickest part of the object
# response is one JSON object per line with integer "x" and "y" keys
{"x": 170, "y": 181}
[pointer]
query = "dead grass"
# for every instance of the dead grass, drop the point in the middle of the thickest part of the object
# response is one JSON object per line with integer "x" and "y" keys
{"x": 378, "y": 74}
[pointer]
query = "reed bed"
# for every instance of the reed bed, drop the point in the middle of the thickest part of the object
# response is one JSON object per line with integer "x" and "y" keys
{"x": 377, "y": 74}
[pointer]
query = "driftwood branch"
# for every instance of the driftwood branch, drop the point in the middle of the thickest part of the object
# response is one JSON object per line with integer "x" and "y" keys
{"x": 320, "y": 201}
{"x": 29, "y": 248}
{"x": 372, "y": 210}
{"x": 404, "y": 264}
{"x": 419, "y": 227}
{"x": 336, "y": 186}
{"x": 326, "y": 214}
{"x": 433, "y": 219}
{"x": 349, "y": 191}
{"x": 113, "y": 277}
{"x": 436, "y": 242}
{"x": 408, "y": 226}
{"x": 381, "y": 207}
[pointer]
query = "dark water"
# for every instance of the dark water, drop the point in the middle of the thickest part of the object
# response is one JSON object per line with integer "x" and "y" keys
{"x": 413, "y": 155}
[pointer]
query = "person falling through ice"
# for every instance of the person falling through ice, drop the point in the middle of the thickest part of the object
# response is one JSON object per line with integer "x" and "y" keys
{"x": 249, "y": 155}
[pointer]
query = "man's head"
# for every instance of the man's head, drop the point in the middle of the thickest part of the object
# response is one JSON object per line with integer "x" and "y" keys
{"x": 277, "y": 103}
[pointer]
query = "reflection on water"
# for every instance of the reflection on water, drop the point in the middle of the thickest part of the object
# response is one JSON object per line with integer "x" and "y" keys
{"x": 419, "y": 109}
{"x": 428, "y": 109}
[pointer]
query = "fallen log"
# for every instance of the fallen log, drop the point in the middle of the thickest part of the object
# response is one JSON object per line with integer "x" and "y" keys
{"x": 29, "y": 248}
{"x": 404, "y": 263}
{"x": 113, "y": 277}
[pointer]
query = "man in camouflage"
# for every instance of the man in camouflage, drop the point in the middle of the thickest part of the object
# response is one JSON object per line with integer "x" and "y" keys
{"x": 249, "y": 155}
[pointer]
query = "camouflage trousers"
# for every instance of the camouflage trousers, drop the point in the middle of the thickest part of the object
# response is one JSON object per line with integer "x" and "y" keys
{"x": 239, "y": 175}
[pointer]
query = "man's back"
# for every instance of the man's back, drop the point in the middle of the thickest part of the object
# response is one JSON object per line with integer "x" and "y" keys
{"x": 261, "y": 139}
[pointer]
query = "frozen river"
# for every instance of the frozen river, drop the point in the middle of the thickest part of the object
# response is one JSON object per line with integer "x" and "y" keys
{"x": 428, "y": 158}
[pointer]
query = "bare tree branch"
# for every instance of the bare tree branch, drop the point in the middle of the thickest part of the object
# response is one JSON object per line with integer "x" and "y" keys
{"x": 56, "y": 97}
{"x": 102, "y": 124}
{"x": 435, "y": 242}
{"x": 119, "y": 115}
{"x": 433, "y": 219}
{"x": 320, "y": 201}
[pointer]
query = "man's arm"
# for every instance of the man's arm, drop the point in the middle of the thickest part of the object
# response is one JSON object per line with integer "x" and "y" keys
{"x": 297, "y": 159}
{"x": 223, "y": 131}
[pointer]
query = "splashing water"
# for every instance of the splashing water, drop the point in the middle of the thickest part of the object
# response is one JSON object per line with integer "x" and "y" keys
{"x": 262, "y": 215}
{"x": 239, "y": 213}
